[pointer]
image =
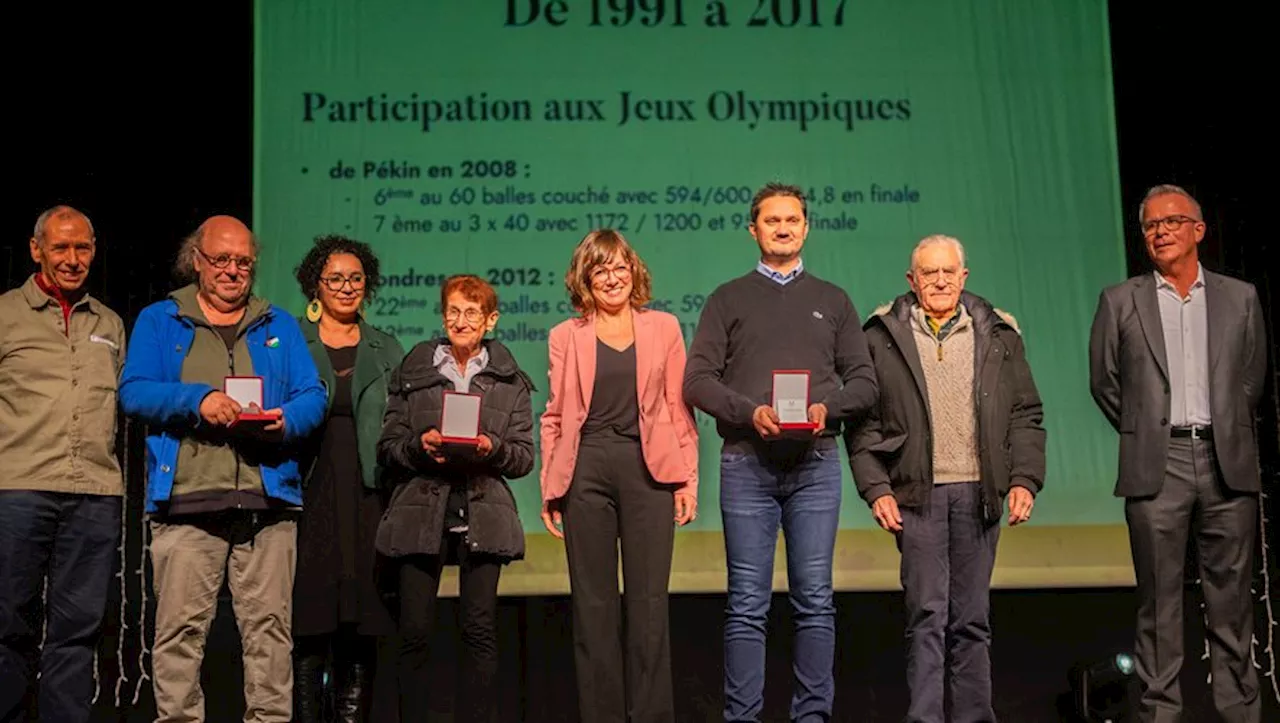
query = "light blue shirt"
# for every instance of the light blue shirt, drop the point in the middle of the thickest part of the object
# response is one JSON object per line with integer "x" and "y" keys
{"x": 778, "y": 276}
{"x": 447, "y": 363}
{"x": 1186, "y": 345}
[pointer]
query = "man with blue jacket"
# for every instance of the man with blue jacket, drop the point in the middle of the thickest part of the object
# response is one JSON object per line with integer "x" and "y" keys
{"x": 223, "y": 493}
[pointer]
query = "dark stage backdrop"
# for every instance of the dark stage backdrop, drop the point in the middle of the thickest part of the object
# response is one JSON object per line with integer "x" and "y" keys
{"x": 144, "y": 120}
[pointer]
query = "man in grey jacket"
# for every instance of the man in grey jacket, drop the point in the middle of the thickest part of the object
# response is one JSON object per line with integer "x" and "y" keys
{"x": 958, "y": 428}
{"x": 1177, "y": 363}
{"x": 61, "y": 490}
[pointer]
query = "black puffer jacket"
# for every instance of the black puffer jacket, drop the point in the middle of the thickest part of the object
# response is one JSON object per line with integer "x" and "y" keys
{"x": 891, "y": 452}
{"x": 414, "y": 522}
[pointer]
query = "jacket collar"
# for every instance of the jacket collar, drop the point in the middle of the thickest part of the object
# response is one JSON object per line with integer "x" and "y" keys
{"x": 986, "y": 318}
{"x": 1147, "y": 303}
{"x": 502, "y": 363}
{"x": 645, "y": 328}
{"x": 38, "y": 299}
{"x": 186, "y": 307}
{"x": 311, "y": 333}
{"x": 895, "y": 317}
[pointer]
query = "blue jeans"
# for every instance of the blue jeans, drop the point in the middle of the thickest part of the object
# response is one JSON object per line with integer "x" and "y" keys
{"x": 802, "y": 494}
{"x": 72, "y": 539}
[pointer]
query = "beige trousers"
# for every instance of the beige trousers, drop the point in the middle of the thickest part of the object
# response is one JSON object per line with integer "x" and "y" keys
{"x": 256, "y": 551}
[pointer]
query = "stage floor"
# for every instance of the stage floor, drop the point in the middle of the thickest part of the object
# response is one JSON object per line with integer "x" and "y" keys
{"x": 1038, "y": 635}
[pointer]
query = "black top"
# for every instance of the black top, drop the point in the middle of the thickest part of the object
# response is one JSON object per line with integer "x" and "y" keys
{"x": 228, "y": 334}
{"x": 614, "y": 411}
{"x": 336, "y": 577}
{"x": 343, "y": 361}
{"x": 340, "y": 459}
{"x": 752, "y": 326}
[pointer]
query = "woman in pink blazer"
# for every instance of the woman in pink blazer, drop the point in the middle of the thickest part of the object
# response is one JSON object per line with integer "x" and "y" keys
{"x": 619, "y": 463}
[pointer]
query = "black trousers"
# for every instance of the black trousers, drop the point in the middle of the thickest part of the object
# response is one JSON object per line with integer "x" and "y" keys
{"x": 612, "y": 498}
{"x": 948, "y": 555}
{"x": 1193, "y": 499}
{"x": 478, "y": 596}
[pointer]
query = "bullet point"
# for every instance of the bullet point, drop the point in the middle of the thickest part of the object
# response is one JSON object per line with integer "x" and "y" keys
{"x": 304, "y": 170}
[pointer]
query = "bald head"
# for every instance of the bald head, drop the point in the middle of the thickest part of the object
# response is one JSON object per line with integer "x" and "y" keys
{"x": 221, "y": 255}
{"x": 215, "y": 228}
{"x": 224, "y": 226}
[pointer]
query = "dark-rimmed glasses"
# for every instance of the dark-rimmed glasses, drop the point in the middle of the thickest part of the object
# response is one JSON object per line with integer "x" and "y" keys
{"x": 336, "y": 282}
{"x": 1173, "y": 223}
{"x": 472, "y": 316}
{"x": 222, "y": 261}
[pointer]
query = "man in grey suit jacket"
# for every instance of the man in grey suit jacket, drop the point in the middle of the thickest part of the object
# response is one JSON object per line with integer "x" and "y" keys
{"x": 1177, "y": 363}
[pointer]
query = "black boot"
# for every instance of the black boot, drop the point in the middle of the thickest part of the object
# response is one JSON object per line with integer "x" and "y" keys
{"x": 308, "y": 689}
{"x": 353, "y": 693}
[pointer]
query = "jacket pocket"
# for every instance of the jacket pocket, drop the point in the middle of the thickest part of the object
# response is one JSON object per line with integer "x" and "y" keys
{"x": 888, "y": 446}
{"x": 405, "y": 527}
{"x": 826, "y": 453}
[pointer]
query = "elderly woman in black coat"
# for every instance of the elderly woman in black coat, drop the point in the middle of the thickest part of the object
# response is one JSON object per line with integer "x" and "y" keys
{"x": 452, "y": 505}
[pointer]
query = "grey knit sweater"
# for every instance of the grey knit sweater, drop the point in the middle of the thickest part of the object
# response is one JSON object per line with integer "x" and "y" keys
{"x": 948, "y": 373}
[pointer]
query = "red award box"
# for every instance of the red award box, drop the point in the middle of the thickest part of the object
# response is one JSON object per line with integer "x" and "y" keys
{"x": 460, "y": 418}
{"x": 791, "y": 399}
{"x": 248, "y": 392}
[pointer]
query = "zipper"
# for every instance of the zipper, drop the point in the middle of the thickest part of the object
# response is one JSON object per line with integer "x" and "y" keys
{"x": 231, "y": 365}
{"x": 924, "y": 401}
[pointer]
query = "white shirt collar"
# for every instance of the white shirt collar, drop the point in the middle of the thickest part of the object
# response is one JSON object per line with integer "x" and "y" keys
{"x": 1162, "y": 282}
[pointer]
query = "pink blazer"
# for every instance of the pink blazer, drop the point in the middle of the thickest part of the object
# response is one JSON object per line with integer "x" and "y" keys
{"x": 668, "y": 435}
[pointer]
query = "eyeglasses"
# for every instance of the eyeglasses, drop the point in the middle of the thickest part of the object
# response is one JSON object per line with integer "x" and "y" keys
{"x": 472, "y": 316}
{"x": 336, "y": 282}
{"x": 929, "y": 276}
{"x": 1173, "y": 223}
{"x": 222, "y": 261}
{"x": 601, "y": 274}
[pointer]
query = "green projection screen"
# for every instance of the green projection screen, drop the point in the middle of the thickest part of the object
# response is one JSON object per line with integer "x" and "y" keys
{"x": 488, "y": 136}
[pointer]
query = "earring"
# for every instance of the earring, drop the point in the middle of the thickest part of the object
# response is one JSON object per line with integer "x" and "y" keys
{"x": 313, "y": 311}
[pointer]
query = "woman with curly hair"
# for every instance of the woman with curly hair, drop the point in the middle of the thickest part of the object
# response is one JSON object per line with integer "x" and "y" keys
{"x": 338, "y": 611}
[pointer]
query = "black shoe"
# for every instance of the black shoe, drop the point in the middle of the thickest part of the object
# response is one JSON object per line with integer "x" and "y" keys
{"x": 308, "y": 689}
{"x": 353, "y": 693}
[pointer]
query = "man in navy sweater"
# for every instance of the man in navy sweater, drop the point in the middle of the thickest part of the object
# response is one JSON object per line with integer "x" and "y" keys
{"x": 779, "y": 317}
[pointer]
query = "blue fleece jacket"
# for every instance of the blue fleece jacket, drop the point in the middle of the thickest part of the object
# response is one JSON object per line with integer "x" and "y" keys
{"x": 152, "y": 392}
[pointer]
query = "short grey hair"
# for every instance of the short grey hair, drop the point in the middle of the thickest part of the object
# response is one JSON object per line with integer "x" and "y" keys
{"x": 184, "y": 269}
{"x": 935, "y": 240}
{"x": 1166, "y": 189}
{"x": 60, "y": 211}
